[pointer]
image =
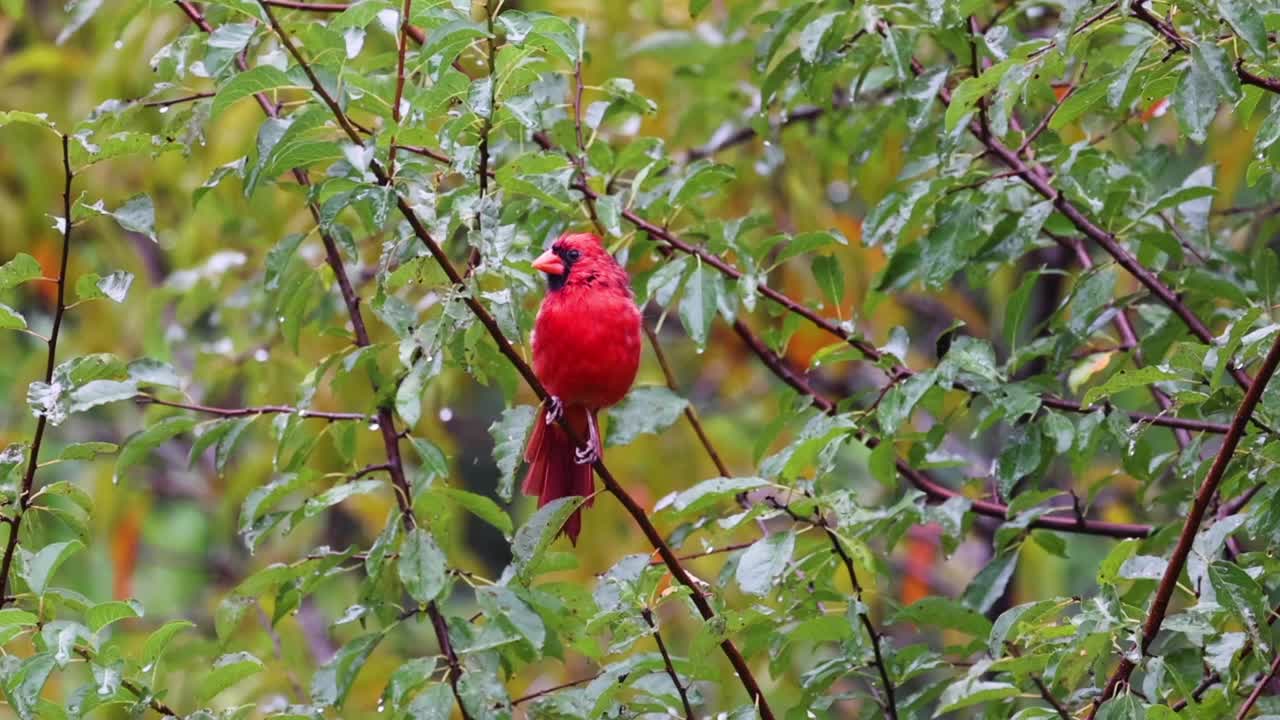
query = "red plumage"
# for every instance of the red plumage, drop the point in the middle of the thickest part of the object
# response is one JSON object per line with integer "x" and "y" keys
{"x": 586, "y": 350}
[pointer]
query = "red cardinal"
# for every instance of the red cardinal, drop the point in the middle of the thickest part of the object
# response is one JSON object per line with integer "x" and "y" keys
{"x": 586, "y": 350}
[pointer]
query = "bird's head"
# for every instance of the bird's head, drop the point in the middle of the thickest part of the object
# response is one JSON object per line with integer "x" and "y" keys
{"x": 579, "y": 260}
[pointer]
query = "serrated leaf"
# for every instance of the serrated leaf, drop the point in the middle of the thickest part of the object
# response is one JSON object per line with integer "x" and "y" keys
{"x": 480, "y": 506}
{"x": 41, "y": 566}
{"x": 20, "y": 269}
{"x": 158, "y": 640}
{"x": 536, "y": 535}
{"x": 332, "y": 681}
{"x": 255, "y": 80}
{"x": 104, "y": 614}
{"x": 510, "y": 432}
{"x": 762, "y": 564}
{"x": 227, "y": 670}
{"x": 422, "y": 566}
{"x": 646, "y": 409}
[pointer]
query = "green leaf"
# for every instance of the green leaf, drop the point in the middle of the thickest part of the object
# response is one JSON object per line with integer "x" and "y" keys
{"x": 20, "y": 269}
{"x": 11, "y": 319}
{"x": 501, "y": 603}
{"x": 1195, "y": 100}
{"x": 702, "y": 178}
{"x": 826, "y": 270}
{"x": 972, "y": 691}
{"x": 100, "y": 392}
{"x": 1246, "y": 21}
{"x": 103, "y": 614}
{"x": 698, "y": 306}
{"x": 255, "y": 80}
{"x": 1122, "y": 707}
{"x": 1080, "y": 102}
{"x": 433, "y": 458}
{"x": 336, "y": 494}
{"x": 332, "y": 682}
{"x": 158, "y": 640}
{"x": 20, "y": 117}
{"x": 227, "y": 670}
{"x": 1126, "y": 380}
{"x": 966, "y": 95}
{"x": 137, "y": 214}
{"x": 140, "y": 444}
{"x": 510, "y": 433}
{"x": 989, "y": 584}
{"x": 695, "y": 500}
{"x": 422, "y": 566}
{"x": 87, "y": 450}
{"x": 762, "y": 564}
{"x": 646, "y": 409}
{"x": 480, "y": 506}
{"x": 41, "y": 566}
{"x": 536, "y": 535}
{"x": 24, "y": 685}
{"x": 945, "y": 613}
{"x": 1243, "y": 597}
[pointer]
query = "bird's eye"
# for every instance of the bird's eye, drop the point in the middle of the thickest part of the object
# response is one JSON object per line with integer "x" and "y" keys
{"x": 572, "y": 255}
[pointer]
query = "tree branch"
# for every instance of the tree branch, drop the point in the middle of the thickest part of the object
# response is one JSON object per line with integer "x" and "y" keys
{"x": 60, "y": 309}
{"x": 689, "y": 412}
{"x": 1169, "y": 581}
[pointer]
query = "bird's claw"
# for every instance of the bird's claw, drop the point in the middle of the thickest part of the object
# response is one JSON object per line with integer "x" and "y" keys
{"x": 586, "y": 455}
{"x": 555, "y": 409}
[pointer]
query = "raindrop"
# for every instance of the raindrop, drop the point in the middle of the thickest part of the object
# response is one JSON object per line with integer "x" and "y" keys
{"x": 261, "y": 355}
{"x": 119, "y": 44}
{"x": 164, "y": 109}
{"x": 374, "y": 426}
{"x": 280, "y": 319}
{"x": 382, "y": 706}
{"x": 446, "y": 414}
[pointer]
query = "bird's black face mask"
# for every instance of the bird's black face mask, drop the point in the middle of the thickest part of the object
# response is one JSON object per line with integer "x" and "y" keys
{"x": 568, "y": 257}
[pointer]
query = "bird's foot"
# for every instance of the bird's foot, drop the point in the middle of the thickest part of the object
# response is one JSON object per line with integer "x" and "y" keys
{"x": 555, "y": 409}
{"x": 586, "y": 455}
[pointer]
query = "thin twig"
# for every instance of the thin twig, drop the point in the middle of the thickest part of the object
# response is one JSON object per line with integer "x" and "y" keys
{"x": 666, "y": 660}
{"x": 226, "y": 412}
{"x": 60, "y": 309}
{"x": 689, "y": 412}
{"x": 402, "y": 50}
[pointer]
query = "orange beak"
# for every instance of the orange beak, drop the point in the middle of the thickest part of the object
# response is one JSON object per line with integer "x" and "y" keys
{"x": 548, "y": 263}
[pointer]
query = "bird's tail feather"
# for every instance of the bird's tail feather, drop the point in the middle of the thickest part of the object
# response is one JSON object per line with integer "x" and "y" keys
{"x": 553, "y": 469}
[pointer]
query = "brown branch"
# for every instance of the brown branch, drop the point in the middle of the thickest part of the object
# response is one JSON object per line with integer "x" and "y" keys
{"x": 1164, "y": 591}
{"x": 689, "y": 412}
{"x": 255, "y": 410}
{"x": 933, "y": 489}
{"x": 633, "y": 508}
{"x": 1171, "y": 35}
{"x": 60, "y": 309}
{"x": 666, "y": 660}
{"x": 572, "y": 683}
{"x": 178, "y": 100}
{"x": 402, "y": 49}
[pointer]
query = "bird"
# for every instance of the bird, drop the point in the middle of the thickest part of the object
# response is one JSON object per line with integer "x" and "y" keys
{"x": 586, "y": 352}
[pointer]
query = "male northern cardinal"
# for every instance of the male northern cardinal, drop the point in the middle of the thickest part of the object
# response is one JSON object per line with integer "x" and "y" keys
{"x": 586, "y": 350}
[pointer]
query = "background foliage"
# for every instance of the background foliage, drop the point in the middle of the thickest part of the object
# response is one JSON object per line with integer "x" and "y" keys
{"x": 956, "y": 402}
